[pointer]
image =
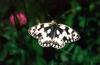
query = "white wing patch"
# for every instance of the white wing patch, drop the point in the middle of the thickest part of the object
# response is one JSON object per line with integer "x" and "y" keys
{"x": 53, "y": 34}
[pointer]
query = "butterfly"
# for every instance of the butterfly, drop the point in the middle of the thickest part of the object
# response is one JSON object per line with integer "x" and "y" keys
{"x": 53, "y": 34}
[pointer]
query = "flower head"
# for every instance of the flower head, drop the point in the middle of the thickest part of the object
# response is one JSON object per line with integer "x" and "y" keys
{"x": 20, "y": 16}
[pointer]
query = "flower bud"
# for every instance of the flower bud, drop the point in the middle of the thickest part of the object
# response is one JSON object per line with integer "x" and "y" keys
{"x": 20, "y": 16}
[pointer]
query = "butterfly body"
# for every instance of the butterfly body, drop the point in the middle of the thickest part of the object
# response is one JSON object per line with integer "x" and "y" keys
{"x": 53, "y": 34}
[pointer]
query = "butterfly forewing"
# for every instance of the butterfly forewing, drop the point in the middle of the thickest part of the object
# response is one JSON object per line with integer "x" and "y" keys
{"x": 69, "y": 34}
{"x": 37, "y": 30}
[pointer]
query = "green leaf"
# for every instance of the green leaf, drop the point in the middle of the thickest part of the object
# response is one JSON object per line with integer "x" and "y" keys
{"x": 82, "y": 22}
{"x": 2, "y": 55}
{"x": 40, "y": 61}
{"x": 37, "y": 47}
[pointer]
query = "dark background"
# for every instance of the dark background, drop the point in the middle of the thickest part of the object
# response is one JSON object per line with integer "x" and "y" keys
{"x": 17, "y": 47}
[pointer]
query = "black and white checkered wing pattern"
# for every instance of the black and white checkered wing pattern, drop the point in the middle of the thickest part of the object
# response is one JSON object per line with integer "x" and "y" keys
{"x": 68, "y": 35}
{"x": 53, "y": 34}
{"x": 38, "y": 32}
{"x": 64, "y": 34}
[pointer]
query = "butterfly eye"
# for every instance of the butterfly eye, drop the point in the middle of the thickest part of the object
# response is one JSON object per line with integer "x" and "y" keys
{"x": 48, "y": 31}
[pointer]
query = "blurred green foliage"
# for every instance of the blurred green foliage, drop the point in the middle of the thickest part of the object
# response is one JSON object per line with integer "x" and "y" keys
{"x": 17, "y": 47}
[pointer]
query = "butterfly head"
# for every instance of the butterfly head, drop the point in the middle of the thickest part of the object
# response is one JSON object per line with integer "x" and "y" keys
{"x": 53, "y": 22}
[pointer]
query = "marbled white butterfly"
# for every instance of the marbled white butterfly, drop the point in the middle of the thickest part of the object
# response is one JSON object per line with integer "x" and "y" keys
{"x": 53, "y": 34}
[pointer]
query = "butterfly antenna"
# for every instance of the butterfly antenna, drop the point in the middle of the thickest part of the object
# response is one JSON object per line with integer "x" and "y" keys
{"x": 67, "y": 12}
{"x": 51, "y": 18}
